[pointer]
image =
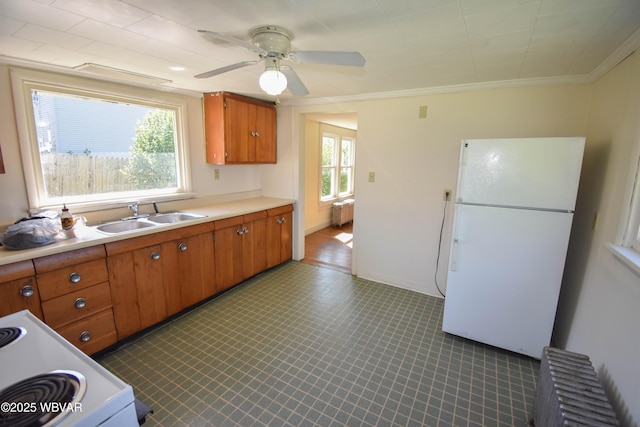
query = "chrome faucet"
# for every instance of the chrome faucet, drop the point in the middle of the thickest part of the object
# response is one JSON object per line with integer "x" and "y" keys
{"x": 134, "y": 208}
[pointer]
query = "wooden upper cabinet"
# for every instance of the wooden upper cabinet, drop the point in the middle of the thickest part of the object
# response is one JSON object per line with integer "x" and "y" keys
{"x": 238, "y": 129}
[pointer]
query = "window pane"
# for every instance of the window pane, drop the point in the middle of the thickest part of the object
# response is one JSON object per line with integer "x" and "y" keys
{"x": 90, "y": 146}
{"x": 347, "y": 152}
{"x": 345, "y": 180}
{"x": 328, "y": 151}
{"x": 327, "y": 182}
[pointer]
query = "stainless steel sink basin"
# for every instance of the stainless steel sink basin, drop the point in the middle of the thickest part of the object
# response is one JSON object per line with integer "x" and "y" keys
{"x": 169, "y": 218}
{"x": 123, "y": 226}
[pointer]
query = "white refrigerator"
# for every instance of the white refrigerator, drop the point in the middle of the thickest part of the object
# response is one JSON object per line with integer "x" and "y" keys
{"x": 514, "y": 208}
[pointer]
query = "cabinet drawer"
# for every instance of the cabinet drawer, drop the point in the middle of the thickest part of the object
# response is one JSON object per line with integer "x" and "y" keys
{"x": 76, "y": 305}
{"x": 72, "y": 278}
{"x": 17, "y": 270}
{"x": 93, "y": 333}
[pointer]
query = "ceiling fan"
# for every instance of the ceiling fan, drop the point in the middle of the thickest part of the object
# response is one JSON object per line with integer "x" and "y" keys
{"x": 272, "y": 44}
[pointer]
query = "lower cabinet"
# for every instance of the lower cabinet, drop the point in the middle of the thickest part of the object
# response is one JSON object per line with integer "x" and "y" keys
{"x": 189, "y": 271}
{"x": 240, "y": 247}
{"x": 18, "y": 289}
{"x": 98, "y": 295}
{"x": 76, "y": 299}
{"x": 279, "y": 238}
{"x": 155, "y": 276}
{"x": 249, "y": 244}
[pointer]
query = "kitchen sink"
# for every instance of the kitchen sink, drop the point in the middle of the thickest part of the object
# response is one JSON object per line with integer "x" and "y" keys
{"x": 123, "y": 226}
{"x": 171, "y": 217}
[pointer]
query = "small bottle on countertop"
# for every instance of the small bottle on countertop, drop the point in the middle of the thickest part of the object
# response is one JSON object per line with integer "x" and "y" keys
{"x": 66, "y": 218}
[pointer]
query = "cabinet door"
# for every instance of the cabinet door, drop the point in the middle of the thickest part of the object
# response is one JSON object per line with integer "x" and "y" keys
{"x": 254, "y": 257}
{"x": 150, "y": 278}
{"x": 229, "y": 253}
{"x": 20, "y": 294}
{"x": 286, "y": 241}
{"x": 124, "y": 295}
{"x": 191, "y": 275}
{"x": 265, "y": 137}
{"x": 237, "y": 131}
{"x": 279, "y": 244}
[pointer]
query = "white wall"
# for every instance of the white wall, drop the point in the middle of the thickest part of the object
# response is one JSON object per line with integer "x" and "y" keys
{"x": 398, "y": 217}
{"x": 599, "y": 311}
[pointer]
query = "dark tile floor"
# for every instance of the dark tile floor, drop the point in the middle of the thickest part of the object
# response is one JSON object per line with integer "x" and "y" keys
{"x": 302, "y": 345}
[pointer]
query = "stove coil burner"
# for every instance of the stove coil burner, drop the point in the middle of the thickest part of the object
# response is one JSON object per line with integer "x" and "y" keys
{"x": 32, "y": 397}
{"x": 10, "y": 334}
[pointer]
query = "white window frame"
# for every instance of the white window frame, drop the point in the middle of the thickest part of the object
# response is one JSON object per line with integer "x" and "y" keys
{"x": 23, "y": 81}
{"x": 631, "y": 238}
{"x": 337, "y": 195}
{"x": 626, "y": 248}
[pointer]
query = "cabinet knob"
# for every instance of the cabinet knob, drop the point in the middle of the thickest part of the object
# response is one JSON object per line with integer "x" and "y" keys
{"x": 240, "y": 231}
{"x": 74, "y": 277}
{"x": 155, "y": 256}
{"x": 182, "y": 247}
{"x": 80, "y": 303}
{"x": 283, "y": 220}
{"x": 245, "y": 230}
{"x": 85, "y": 336}
{"x": 27, "y": 291}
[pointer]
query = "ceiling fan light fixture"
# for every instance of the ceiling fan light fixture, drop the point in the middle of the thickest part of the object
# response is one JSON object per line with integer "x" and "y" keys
{"x": 273, "y": 82}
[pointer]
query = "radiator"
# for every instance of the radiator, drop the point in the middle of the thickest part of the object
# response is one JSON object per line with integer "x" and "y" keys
{"x": 568, "y": 392}
{"x": 343, "y": 212}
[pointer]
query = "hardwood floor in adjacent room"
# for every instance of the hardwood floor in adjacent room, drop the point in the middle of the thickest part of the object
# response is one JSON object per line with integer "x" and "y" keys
{"x": 330, "y": 247}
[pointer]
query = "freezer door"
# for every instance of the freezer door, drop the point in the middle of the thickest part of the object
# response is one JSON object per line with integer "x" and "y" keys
{"x": 504, "y": 277}
{"x": 529, "y": 172}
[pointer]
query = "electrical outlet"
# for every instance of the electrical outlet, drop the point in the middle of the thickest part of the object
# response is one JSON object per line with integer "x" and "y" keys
{"x": 216, "y": 174}
{"x": 446, "y": 195}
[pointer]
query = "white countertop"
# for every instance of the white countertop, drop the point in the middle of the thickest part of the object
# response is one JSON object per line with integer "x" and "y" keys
{"x": 90, "y": 237}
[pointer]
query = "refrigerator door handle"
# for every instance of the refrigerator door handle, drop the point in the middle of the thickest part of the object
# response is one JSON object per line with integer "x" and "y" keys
{"x": 454, "y": 256}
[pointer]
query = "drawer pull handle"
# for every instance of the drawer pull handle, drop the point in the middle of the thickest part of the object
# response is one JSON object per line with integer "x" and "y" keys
{"x": 182, "y": 247}
{"x": 80, "y": 303}
{"x": 155, "y": 256}
{"x": 85, "y": 336}
{"x": 74, "y": 277}
{"x": 27, "y": 291}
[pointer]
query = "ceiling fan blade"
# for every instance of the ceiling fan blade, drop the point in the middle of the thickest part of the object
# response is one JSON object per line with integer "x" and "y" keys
{"x": 229, "y": 38}
{"x": 294, "y": 84}
{"x": 225, "y": 69}
{"x": 351, "y": 59}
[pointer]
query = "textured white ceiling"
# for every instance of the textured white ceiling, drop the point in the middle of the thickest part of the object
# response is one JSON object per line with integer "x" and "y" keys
{"x": 408, "y": 44}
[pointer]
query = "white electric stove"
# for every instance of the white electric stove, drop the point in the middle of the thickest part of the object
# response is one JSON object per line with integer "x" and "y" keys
{"x": 41, "y": 371}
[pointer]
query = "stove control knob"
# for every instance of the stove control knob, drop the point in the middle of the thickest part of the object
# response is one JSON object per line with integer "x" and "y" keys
{"x": 27, "y": 291}
{"x": 85, "y": 336}
{"x": 74, "y": 277}
{"x": 80, "y": 303}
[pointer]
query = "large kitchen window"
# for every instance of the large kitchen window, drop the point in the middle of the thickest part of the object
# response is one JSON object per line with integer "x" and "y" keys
{"x": 337, "y": 171}
{"x": 90, "y": 144}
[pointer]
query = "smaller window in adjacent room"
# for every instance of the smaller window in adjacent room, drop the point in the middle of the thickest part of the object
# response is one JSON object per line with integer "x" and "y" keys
{"x": 338, "y": 155}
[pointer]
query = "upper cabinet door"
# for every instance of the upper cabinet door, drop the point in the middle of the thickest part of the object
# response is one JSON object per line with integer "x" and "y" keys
{"x": 239, "y": 130}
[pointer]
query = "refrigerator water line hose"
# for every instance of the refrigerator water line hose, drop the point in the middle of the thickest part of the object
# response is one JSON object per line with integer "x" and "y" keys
{"x": 444, "y": 216}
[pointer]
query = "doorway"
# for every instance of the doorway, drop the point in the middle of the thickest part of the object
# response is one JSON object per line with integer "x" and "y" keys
{"x": 324, "y": 244}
